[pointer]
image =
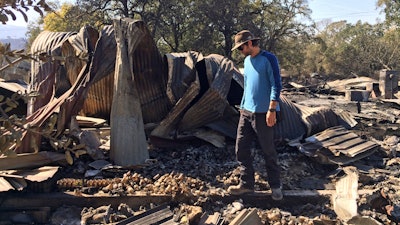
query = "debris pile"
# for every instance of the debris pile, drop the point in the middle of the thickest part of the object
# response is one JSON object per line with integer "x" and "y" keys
{"x": 338, "y": 146}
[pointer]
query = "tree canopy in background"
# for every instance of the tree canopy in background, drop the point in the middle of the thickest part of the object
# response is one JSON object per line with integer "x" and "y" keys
{"x": 71, "y": 18}
{"x": 284, "y": 26}
{"x": 391, "y": 8}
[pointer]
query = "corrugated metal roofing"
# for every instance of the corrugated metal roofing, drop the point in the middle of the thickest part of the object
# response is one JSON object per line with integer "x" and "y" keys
{"x": 338, "y": 145}
{"x": 99, "y": 98}
{"x": 318, "y": 119}
{"x": 227, "y": 124}
{"x": 147, "y": 63}
{"x": 150, "y": 77}
{"x": 212, "y": 103}
{"x": 290, "y": 125}
{"x": 181, "y": 73}
{"x": 47, "y": 41}
{"x": 179, "y": 68}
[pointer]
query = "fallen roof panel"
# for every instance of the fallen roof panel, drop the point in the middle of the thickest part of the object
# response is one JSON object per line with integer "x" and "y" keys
{"x": 338, "y": 145}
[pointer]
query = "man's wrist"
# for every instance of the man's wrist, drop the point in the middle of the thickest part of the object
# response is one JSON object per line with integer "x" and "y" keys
{"x": 272, "y": 109}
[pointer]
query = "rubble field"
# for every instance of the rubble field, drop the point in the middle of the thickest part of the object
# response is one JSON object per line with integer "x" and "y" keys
{"x": 194, "y": 175}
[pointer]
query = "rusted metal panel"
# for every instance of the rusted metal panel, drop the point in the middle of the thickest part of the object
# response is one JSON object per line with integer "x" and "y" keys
{"x": 318, "y": 119}
{"x": 181, "y": 73}
{"x": 47, "y": 41}
{"x": 290, "y": 125}
{"x": 42, "y": 86}
{"x": 83, "y": 47}
{"x": 169, "y": 123}
{"x": 182, "y": 87}
{"x": 45, "y": 45}
{"x": 208, "y": 109}
{"x": 103, "y": 63}
{"x": 99, "y": 97}
{"x": 346, "y": 119}
{"x": 71, "y": 51}
{"x": 75, "y": 55}
{"x": 150, "y": 77}
{"x": 210, "y": 92}
{"x": 227, "y": 124}
{"x": 339, "y": 139}
{"x": 212, "y": 103}
{"x": 67, "y": 105}
{"x": 338, "y": 145}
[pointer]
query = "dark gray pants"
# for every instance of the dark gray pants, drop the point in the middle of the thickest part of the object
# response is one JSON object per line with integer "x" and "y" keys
{"x": 253, "y": 126}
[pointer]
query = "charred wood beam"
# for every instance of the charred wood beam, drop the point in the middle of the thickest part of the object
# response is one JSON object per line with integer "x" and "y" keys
{"x": 11, "y": 201}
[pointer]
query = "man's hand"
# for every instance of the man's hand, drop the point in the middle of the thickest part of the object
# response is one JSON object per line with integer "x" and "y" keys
{"x": 271, "y": 118}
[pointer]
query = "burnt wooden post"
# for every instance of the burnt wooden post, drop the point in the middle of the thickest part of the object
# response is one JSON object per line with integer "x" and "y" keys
{"x": 128, "y": 139}
{"x": 388, "y": 83}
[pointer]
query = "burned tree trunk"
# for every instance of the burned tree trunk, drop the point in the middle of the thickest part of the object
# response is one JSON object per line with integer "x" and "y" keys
{"x": 128, "y": 140}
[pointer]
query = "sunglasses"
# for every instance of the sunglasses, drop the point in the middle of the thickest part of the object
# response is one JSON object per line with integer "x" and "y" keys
{"x": 240, "y": 48}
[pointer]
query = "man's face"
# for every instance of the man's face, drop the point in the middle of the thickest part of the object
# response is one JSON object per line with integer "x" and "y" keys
{"x": 244, "y": 49}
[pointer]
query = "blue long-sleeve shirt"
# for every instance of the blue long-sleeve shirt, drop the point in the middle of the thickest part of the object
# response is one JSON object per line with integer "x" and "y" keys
{"x": 262, "y": 82}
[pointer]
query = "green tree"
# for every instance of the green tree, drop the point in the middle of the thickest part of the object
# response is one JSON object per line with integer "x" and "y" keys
{"x": 172, "y": 23}
{"x": 345, "y": 49}
{"x": 391, "y": 9}
{"x": 387, "y": 50}
{"x": 34, "y": 29}
{"x": 115, "y": 8}
{"x": 222, "y": 19}
{"x": 208, "y": 26}
{"x": 71, "y": 18}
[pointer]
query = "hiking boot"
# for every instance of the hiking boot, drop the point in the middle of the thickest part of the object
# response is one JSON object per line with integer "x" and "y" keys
{"x": 277, "y": 194}
{"x": 239, "y": 190}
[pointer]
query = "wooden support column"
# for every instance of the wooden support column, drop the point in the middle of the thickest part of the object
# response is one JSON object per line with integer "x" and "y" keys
{"x": 388, "y": 83}
{"x": 128, "y": 139}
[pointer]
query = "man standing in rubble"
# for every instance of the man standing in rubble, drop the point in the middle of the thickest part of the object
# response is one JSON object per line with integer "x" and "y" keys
{"x": 262, "y": 87}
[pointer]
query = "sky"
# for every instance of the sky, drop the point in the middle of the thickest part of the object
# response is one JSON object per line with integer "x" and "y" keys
{"x": 333, "y": 10}
{"x": 349, "y": 10}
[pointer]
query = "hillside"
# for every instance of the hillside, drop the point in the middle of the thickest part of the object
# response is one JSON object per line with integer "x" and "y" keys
{"x": 15, "y": 35}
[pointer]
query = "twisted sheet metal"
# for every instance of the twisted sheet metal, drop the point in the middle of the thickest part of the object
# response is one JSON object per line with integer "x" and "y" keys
{"x": 290, "y": 126}
{"x": 211, "y": 105}
{"x": 318, "y": 119}
{"x": 150, "y": 77}
{"x": 182, "y": 88}
{"x": 181, "y": 73}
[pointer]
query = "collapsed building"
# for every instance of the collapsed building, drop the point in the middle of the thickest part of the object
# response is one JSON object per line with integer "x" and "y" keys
{"x": 178, "y": 92}
{"x": 182, "y": 96}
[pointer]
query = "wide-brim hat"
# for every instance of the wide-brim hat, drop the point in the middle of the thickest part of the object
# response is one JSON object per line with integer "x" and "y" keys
{"x": 243, "y": 37}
